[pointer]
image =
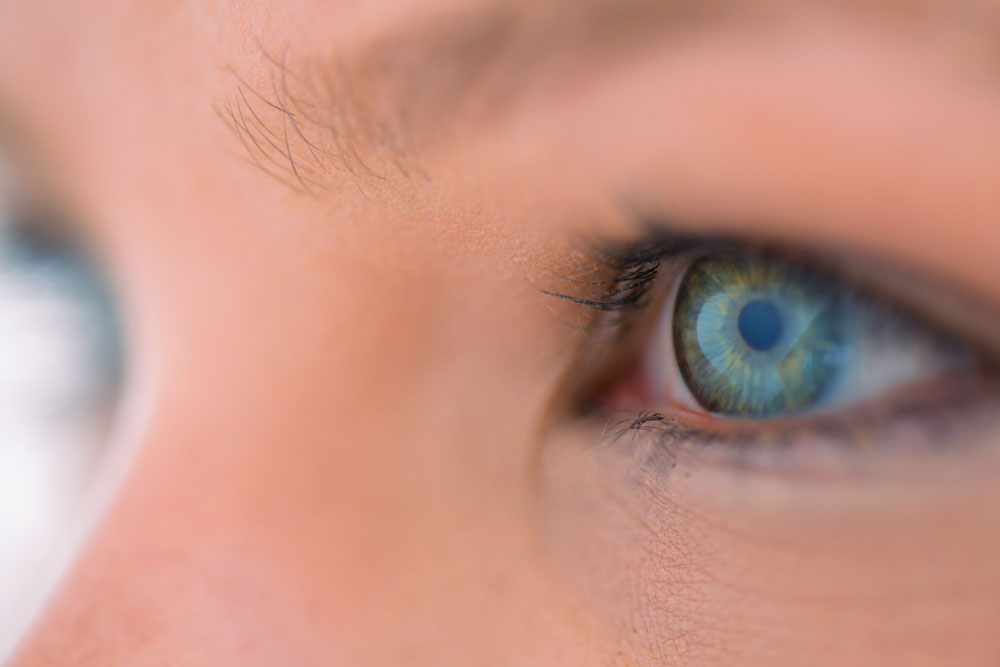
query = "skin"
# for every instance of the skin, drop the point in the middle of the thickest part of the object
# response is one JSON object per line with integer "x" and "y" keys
{"x": 358, "y": 445}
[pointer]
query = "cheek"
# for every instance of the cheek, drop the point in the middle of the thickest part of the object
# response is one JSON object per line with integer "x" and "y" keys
{"x": 637, "y": 560}
{"x": 708, "y": 564}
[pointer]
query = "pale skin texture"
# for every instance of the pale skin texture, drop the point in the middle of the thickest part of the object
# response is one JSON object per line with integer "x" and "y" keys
{"x": 358, "y": 449}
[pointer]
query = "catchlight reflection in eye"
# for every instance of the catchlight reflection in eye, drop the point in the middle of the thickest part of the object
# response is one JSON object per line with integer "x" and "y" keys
{"x": 59, "y": 376}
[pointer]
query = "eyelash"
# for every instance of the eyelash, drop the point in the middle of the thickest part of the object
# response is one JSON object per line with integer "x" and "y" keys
{"x": 769, "y": 448}
{"x": 623, "y": 296}
{"x": 631, "y": 272}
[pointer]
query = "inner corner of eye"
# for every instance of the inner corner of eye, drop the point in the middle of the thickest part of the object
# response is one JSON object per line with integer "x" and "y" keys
{"x": 647, "y": 377}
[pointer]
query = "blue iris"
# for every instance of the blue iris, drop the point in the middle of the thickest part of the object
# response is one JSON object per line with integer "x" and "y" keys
{"x": 756, "y": 338}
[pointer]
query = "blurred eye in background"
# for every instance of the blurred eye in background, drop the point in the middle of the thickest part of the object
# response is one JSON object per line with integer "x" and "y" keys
{"x": 60, "y": 371}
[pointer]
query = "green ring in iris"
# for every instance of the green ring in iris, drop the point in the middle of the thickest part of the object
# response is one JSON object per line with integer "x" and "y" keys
{"x": 755, "y": 337}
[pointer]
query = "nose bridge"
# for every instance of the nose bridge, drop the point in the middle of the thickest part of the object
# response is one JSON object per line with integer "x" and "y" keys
{"x": 266, "y": 485}
{"x": 320, "y": 456}
{"x": 227, "y": 524}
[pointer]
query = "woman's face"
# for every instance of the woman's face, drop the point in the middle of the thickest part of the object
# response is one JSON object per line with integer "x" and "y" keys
{"x": 367, "y": 427}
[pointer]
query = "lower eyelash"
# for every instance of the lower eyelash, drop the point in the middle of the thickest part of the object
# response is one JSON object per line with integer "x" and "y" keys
{"x": 662, "y": 440}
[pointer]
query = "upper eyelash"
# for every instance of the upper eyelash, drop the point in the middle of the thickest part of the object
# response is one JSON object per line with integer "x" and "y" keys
{"x": 624, "y": 292}
{"x": 632, "y": 269}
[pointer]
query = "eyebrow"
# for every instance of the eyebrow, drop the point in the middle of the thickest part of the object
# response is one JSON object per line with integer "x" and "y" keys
{"x": 370, "y": 112}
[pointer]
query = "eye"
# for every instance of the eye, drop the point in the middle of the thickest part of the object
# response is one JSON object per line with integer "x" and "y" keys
{"x": 756, "y": 337}
{"x": 60, "y": 365}
{"x": 717, "y": 339}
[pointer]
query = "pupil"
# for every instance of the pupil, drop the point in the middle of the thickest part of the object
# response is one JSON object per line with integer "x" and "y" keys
{"x": 760, "y": 324}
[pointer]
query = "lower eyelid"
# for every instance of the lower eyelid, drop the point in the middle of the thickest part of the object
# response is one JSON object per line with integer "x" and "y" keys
{"x": 877, "y": 438}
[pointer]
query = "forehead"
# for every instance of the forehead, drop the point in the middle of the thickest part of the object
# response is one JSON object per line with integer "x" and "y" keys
{"x": 375, "y": 88}
{"x": 412, "y": 53}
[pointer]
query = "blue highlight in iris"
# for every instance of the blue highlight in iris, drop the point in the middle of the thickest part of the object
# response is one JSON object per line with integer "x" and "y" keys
{"x": 760, "y": 324}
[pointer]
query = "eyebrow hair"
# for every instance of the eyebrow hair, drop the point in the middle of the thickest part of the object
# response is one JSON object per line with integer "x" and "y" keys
{"x": 370, "y": 112}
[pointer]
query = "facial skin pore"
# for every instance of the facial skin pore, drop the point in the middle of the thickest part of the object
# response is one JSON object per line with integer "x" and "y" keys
{"x": 331, "y": 227}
